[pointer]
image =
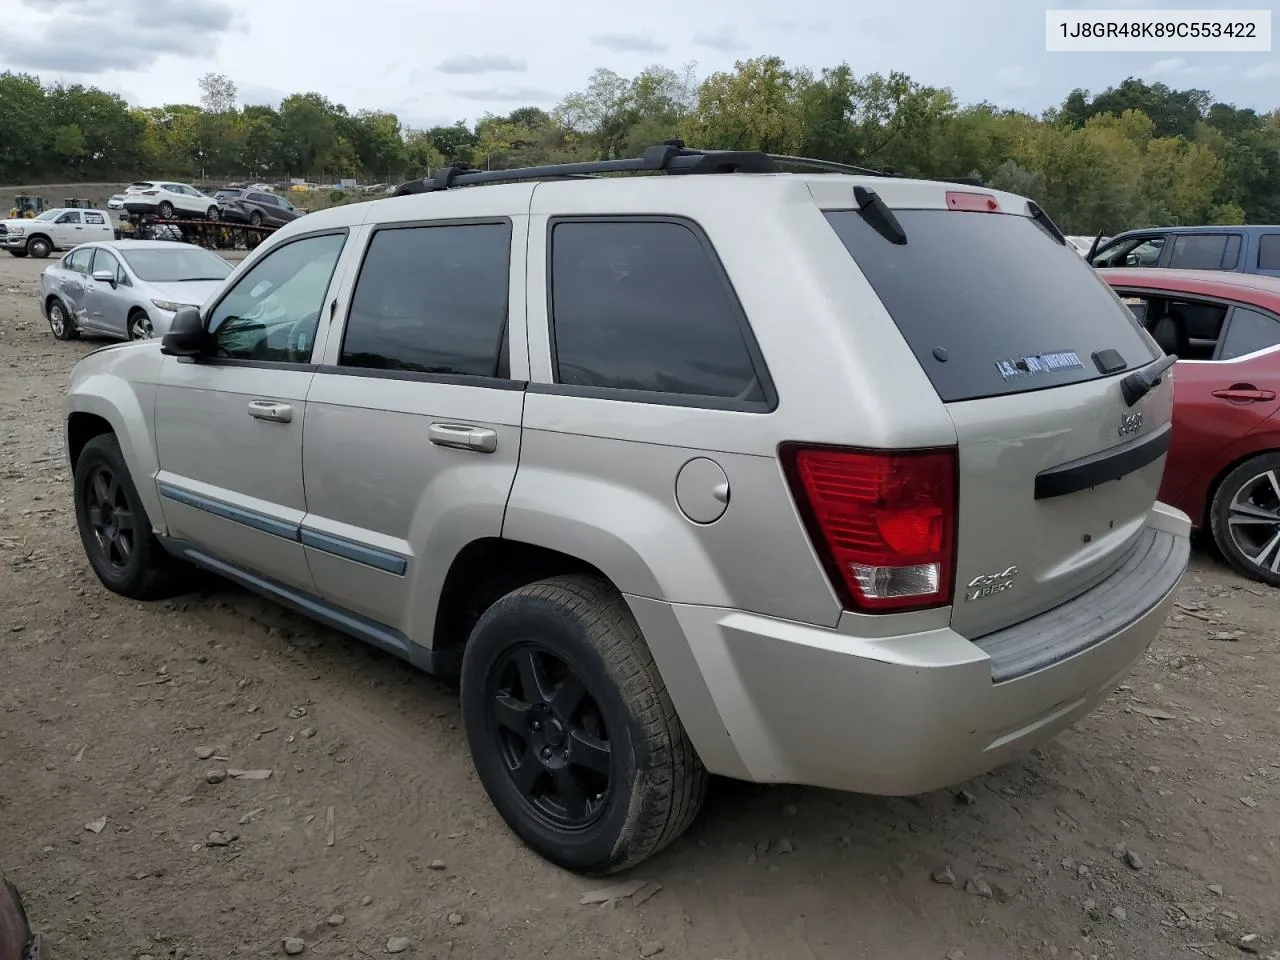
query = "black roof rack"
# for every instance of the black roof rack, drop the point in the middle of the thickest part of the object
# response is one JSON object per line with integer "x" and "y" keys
{"x": 670, "y": 156}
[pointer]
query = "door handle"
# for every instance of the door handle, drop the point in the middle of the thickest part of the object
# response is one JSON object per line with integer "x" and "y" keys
{"x": 270, "y": 410}
{"x": 462, "y": 437}
{"x": 1244, "y": 393}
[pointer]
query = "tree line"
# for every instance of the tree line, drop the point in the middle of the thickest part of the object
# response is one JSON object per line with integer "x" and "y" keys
{"x": 1136, "y": 154}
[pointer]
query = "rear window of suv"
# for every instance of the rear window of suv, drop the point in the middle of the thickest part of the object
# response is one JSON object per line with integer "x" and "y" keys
{"x": 990, "y": 304}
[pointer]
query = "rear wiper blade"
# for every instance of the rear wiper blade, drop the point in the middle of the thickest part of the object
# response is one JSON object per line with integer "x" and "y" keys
{"x": 873, "y": 209}
{"x": 1139, "y": 383}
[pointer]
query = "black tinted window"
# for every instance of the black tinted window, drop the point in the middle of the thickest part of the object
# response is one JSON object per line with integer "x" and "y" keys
{"x": 432, "y": 300}
{"x": 989, "y": 303}
{"x": 1269, "y": 251}
{"x": 1248, "y": 331}
{"x": 644, "y": 305}
{"x": 1200, "y": 251}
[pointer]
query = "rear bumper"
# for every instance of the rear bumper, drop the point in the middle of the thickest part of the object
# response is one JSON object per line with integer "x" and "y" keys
{"x": 776, "y": 701}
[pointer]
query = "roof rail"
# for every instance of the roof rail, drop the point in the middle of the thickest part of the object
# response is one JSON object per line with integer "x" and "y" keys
{"x": 829, "y": 166}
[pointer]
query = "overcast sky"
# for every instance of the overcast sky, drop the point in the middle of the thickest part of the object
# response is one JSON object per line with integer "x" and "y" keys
{"x": 439, "y": 62}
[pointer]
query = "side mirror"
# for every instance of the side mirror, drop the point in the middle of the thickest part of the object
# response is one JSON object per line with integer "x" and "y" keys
{"x": 186, "y": 336}
{"x": 104, "y": 276}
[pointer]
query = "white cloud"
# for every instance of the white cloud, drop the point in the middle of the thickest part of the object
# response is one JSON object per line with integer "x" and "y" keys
{"x": 481, "y": 63}
{"x": 1264, "y": 70}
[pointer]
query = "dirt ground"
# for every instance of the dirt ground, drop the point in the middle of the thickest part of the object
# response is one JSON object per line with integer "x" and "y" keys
{"x": 1149, "y": 831}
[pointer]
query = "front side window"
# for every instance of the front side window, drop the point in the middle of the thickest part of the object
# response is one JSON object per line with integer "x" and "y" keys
{"x": 432, "y": 300}
{"x": 105, "y": 260}
{"x": 272, "y": 312}
{"x": 644, "y": 305}
{"x": 1134, "y": 252}
{"x": 1249, "y": 331}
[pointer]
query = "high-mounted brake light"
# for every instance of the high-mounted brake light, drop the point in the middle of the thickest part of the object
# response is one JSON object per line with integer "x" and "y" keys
{"x": 972, "y": 202}
{"x": 883, "y": 522}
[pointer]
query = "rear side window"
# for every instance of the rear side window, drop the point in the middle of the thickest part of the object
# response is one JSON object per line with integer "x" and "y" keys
{"x": 644, "y": 305}
{"x": 1269, "y": 251}
{"x": 432, "y": 300}
{"x": 1204, "y": 251}
{"x": 91, "y": 217}
{"x": 990, "y": 304}
{"x": 1249, "y": 331}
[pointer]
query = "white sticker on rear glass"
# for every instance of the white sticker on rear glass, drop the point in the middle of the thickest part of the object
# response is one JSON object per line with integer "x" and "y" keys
{"x": 1039, "y": 363}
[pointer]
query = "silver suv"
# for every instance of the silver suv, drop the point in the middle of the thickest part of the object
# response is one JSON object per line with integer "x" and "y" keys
{"x": 820, "y": 478}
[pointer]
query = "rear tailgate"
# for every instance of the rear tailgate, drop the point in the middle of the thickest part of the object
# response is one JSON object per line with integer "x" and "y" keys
{"x": 1027, "y": 347}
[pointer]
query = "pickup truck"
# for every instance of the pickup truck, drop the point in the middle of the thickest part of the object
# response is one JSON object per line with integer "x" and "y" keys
{"x": 59, "y": 229}
{"x": 1239, "y": 249}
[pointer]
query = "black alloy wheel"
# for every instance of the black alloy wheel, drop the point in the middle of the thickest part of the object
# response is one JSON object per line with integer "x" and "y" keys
{"x": 551, "y": 735}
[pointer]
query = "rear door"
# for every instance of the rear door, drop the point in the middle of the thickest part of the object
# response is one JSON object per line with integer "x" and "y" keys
{"x": 413, "y": 422}
{"x": 98, "y": 226}
{"x": 1027, "y": 347}
{"x": 73, "y": 281}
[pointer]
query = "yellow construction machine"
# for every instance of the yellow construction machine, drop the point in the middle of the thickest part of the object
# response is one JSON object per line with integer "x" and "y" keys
{"x": 26, "y": 207}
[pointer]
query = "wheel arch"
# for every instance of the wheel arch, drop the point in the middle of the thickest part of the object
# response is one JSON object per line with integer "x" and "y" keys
{"x": 1258, "y": 445}
{"x": 45, "y": 237}
{"x": 100, "y": 405}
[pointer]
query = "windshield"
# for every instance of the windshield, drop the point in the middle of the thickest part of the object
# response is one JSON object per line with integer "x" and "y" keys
{"x": 51, "y": 215}
{"x": 175, "y": 265}
{"x": 990, "y": 304}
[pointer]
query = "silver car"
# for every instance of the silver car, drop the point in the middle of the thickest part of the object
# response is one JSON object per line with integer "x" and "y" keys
{"x": 782, "y": 477}
{"x": 128, "y": 289}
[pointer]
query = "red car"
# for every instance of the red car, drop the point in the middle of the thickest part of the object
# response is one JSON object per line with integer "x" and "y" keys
{"x": 1223, "y": 467}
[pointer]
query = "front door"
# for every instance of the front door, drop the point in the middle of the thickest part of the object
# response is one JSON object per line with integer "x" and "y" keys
{"x": 229, "y": 427}
{"x": 105, "y": 305}
{"x": 68, "y": 230}
{"x": 413, "y": 424}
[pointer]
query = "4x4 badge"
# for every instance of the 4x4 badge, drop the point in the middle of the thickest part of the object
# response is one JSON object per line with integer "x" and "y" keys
{"x": 990, "y": 583}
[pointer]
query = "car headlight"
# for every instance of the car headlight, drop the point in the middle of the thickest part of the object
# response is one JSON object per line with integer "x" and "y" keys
{"x": 17, "y": 231}
{"x": 169, "y": 305}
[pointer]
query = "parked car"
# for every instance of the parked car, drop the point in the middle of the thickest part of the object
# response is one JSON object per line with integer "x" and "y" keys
{"x": 128, "y": 289}
{"x": 167, "y": 200}
{"x": 57, "y": 229}
{"x": 1224, "y": 464}
{"x": 679, "y": 474}
{"x": 1248, "y": 249}
{"x": 115, "y": 201}
{"x": 246, "y": 205}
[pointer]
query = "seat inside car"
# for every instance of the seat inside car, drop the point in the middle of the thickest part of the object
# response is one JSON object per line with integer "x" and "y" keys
{"x": 1170, "y": 332}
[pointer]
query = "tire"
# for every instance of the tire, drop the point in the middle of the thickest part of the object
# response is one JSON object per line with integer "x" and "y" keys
{"x": 18, "y": 253}
{"x": 1250, "y": 492}
{"x": 165, "y": 210}
{"x": 39, "y": 247}
{"x": 61, "y": 323}
{"x": 140, "y": 326}
{"x": 104, "y": 491}
{"x": 255, "y": 218}
{"x": 211, "y": 213}
{"x": 636, "y": 795}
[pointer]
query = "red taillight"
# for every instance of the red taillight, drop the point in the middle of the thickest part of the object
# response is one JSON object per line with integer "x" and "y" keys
{"x": 883, "y": 522}
{"x": 972, "y": 202}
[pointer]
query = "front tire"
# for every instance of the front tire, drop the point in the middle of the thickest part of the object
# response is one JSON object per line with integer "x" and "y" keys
{"x": 39, "y": 247}
{"x": 211, "y": 213}
{"x": 571, "y": 728}
{"x": 255, "y": 218}
{"x": 140, "y": 326}
{"x": 18, "y": 253}
{"x": 114, "y": 527}
{"x": 60, "y": 322}
{"x": 1245, "y": 518}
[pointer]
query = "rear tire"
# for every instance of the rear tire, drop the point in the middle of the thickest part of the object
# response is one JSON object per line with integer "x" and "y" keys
{"x": 255, "y": 218}
{"x": 166, "y": 210}
{"x": 60, "y": 322}
{"x": 556, "y": 675}
{"x": 1245, "y": 518}
{"x": 39, "y": 247}
{"x": 115, "y": 530}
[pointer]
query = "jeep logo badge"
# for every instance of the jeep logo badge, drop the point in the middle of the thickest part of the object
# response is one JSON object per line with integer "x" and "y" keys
{"x": 1130, "y": 424}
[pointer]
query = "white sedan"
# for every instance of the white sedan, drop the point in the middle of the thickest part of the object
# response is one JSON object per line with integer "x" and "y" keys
{"x": 167, "y": 200}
